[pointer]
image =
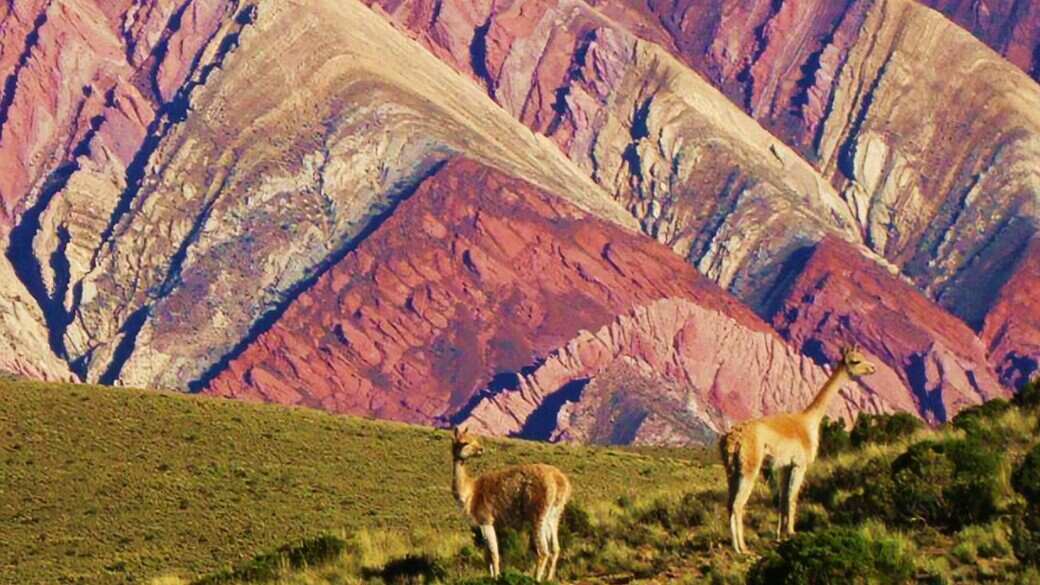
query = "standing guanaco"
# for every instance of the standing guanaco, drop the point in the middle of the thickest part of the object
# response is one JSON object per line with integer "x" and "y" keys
{"x": 533, "y": 495}
{"x": 789, "y": 440}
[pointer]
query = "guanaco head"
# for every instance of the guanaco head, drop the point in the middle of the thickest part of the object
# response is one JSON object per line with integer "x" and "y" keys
{"x": 465, "y": 445}
{"x": 857, "y": 364}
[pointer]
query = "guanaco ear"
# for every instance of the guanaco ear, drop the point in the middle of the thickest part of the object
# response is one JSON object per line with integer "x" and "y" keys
{"x": 457, "y": 432}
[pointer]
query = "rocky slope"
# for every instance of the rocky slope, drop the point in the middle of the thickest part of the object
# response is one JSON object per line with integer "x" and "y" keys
{"x": 436, "y": 316}
{"x": 941, "y": 193}
{"x": 187, "y": 185}
{"x": 1010, "y": 28}
{"x": 1012, "y": 327}
{"x": 226, "y": 211}
{"x": 931, "y": 361}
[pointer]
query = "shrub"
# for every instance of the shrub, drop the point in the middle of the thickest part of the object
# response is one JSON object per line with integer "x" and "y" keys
{"x": 1025, "y": 538}
{"x": 574, "y": 525}
{"x": 871, "y": 493}
{"x": 512, "y": 543}
{"x": 687, "y": 512}
{"x": 1026, "y": 478}
{"x": 989, "y": 410}
{"x": 978, "y": 421}
{"x": 987, "y": 541}
{"x": 268, "y": 566}
{"x": 409, "y": 569}
{"x": 1028, "y": 396}
{"x": 948, "y": 484}
{"x": 835, "y": 555}
{"x": 834, "y": 438}
{"x": 883, "y": 428}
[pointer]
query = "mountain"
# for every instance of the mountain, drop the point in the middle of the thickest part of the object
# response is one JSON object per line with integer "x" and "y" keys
{"x": 447, "y": 211}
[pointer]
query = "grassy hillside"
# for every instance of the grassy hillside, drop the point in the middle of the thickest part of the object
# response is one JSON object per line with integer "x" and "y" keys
{"x": 890, "y": 502}
{"x": 102, "y": 485}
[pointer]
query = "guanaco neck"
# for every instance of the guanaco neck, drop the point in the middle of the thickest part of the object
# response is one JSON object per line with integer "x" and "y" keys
{"x": 461, "y": 485}
{"x": 818, "y": 408}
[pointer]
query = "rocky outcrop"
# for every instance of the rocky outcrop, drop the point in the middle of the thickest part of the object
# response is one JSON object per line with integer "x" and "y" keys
{"x": 473, "y": 279}
{"x": 706, "y": 369}
{"x": 930, "y": 362}
{"x": 1010, "y": 28}
{"x": 628, "y": 403}
{"x": 1012, "y": 328}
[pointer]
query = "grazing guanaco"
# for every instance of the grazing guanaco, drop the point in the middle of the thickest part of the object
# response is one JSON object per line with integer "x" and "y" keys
{"x": 533, "y": 495}
{"x": 789, "y": 441}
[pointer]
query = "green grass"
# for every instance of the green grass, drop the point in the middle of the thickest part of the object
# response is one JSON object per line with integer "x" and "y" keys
{"x": 103, "y": 485}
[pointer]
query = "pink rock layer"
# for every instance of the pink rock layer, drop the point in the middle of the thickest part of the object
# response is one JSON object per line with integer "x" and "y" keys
{"x": 932, "y": 362}
{"x": 476, "y": 274}
{"x": 1012, "y": 328}
{"x": 691, "y": 372}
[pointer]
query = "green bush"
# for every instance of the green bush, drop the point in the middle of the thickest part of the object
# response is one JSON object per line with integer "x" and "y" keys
{"x": 1028, "y": 396}
{"x": 978, "y": 421}
{"x": 1026, "y": 478}
{"x": 948, "y": 484}
{"x": 1025, "y": 538}
{"x": 856, "y": 493}
{"x": 687, "y": 512}
{"x": 410, "y": 569}
{"x": 311, "y": 552}
{"x": 834, "y": 438}
{"x": 575, "y": 525}
{"x": 513, "y": 544}
{"x": 991, "y": 409}
{"x": 883, "y": 428}
{"x": 834, "y": 555}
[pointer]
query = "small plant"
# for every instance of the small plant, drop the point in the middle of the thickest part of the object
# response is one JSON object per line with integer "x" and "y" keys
{"x": 979, "y": 421}
{"x": 410, "y": 569}
{"x": 835, "y": 555}
{"x": 1025, "y": 538}
{"x": 987, "y": 541}
{"x": 834, "y": 439}
{"x": 1028, "y": 396}
{"x": 883, "y": 428}
{"x": 1026, "y": 478}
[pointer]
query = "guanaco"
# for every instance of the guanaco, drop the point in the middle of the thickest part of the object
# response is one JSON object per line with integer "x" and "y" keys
{"x": 789, "y": 441}
{"x": 532, "y": 495}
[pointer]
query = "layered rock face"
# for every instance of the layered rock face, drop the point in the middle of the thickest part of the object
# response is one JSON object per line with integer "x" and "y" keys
{"x": 931, "y": 362}
{"x": 695, "y": 371}
{"x": 1011, "y": 28}
{"x": 201, "y": 194}
{"x": 941, "y": 193}
{"x": 251, "y": 180}
{"x": 1012, "y": 327}
{"x": 455, "y": 307}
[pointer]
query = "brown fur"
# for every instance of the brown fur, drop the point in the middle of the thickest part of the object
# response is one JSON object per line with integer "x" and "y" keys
{"x": 788, "y": 440}
{"x": 532, "y": 496}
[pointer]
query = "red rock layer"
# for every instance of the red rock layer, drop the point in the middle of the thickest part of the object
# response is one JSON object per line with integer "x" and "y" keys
{"x": 927, "y": 354}
{"x": 476, "y": 273}
{"x": 1010, "y": 27}
{"x": 1012, "y": 328}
